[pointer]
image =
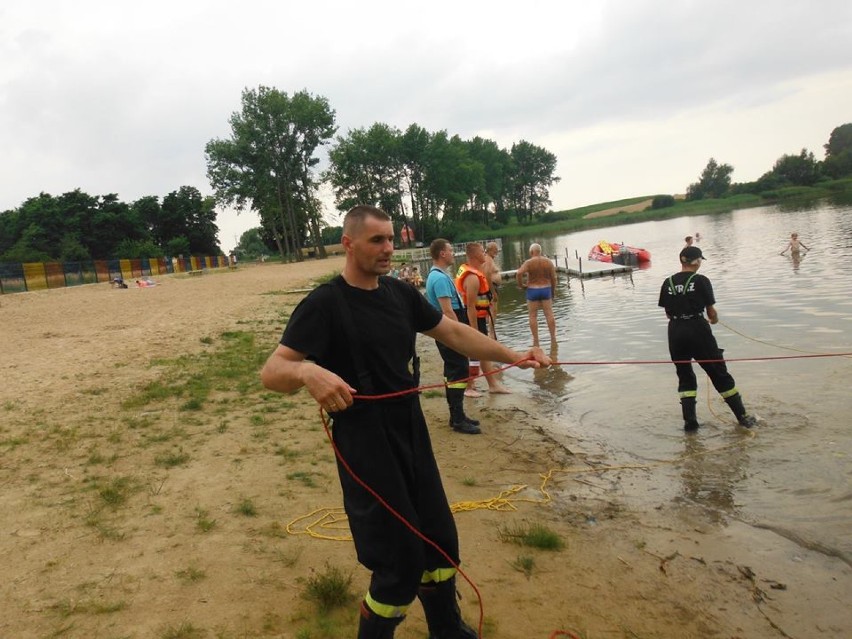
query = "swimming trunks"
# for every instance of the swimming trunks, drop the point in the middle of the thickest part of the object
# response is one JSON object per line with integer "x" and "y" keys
{"x": 538, "y": 294}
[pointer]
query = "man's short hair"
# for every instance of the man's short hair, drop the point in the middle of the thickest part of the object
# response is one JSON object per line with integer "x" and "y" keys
{"x": 472, "y": 248}
{"x": 355, "y": 217}
{"x": 437, "y": 245}
{"x": 535, "y": 248}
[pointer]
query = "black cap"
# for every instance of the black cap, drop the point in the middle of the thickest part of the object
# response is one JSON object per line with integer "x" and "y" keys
{"x": 690, "y": 254}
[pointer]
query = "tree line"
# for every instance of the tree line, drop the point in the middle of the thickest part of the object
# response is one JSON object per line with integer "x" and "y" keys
{"x": 426, "y": 180}
{"x": 76, "y": 226}
{"x": 801, "y": 169}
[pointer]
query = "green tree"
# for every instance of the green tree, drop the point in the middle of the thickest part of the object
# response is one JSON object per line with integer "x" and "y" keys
{"x": 532, "y": 174}
{"x": 365, "y": 168}
{"x": 268, "y": 164}
{"x": 714, "y": 182}
{"x": 797, "y": 170}
{"x": 840, "y": 140}
{"x": 252, "y": 245}
{"x": 497, "y": 169}
{"x": 186, "y": 213}
{"x": 838, "y": 152}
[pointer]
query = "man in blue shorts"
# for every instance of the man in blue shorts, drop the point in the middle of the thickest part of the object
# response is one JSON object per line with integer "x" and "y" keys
{"x": 538, "y": 276}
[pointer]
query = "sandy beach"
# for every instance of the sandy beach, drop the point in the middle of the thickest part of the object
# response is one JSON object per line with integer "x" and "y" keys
{"x": 127, "y": 511}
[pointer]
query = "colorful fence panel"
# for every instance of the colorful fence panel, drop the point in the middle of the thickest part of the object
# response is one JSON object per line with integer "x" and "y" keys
{"x": 40, "y": 276}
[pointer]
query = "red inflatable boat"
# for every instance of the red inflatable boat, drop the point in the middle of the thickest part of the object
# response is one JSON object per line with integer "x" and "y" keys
{"x": 604, "y": 251}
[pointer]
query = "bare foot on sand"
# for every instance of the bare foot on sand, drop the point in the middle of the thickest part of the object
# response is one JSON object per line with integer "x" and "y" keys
{"x": 499, "y": 389}
{"x": 472, "y": 392}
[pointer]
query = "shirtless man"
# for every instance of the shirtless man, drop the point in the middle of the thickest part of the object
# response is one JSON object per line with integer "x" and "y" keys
{"x": 493, "y": 274}
{"x": 541, "y": 287}
{"x": 794, "y": 245}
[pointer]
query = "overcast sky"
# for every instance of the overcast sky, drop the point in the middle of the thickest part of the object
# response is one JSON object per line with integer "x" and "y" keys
{"x": 633, "y": 96}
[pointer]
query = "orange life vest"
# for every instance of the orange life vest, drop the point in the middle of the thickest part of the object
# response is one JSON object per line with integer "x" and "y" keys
{"x": 483, "y": 295}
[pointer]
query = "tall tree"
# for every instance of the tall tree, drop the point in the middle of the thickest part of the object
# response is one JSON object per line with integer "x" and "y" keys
{"x": 714, "y": 182}
{"x": 268, "y": 163}
{"x": 186, "y": 213}
{"x": 365, "y": 168}
{"x": 838, "y": 152}
{"x": 533, "y": 173}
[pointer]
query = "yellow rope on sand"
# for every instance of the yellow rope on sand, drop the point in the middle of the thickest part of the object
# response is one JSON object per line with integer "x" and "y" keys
{"x": 331, "y": 523}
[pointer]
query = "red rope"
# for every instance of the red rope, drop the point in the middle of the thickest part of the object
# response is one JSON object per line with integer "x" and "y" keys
{"x": 418, "y": 389}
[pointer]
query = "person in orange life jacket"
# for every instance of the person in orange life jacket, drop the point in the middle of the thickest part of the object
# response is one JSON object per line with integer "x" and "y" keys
{"x": 475, "y": 291}
{"x": 442, "y": 294}
{"x": 356, "y": 335}
{"x": 685, "y": 296}
{"x": 494, "y": 280}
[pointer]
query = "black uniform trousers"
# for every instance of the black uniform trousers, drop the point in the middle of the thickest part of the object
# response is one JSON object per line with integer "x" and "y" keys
{"x": 455, "y": 364}
{"x": 387, "y": 444}
{"x": 692, "y": 339}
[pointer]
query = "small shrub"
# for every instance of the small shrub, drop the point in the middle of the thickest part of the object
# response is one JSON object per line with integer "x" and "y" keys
{"x": 246, "y": 508}
{"x": 662, "y": 202}
{"x": 329, "y": 589}
{"x": 532, "y": 535}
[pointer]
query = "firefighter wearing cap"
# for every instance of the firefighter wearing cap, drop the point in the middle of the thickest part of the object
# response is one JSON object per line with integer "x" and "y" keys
{"x": 686, "y": 296}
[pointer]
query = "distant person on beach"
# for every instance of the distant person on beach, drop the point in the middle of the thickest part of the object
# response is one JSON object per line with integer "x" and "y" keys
{"x": 688, "y": 240}
{"x": 442, "y": 294}
{"x": 475, "y": 291}
{"x": 795, "y": 245}
{"x": 540, "y": 285}
{"x": 697, "y": 236}
{"x": 355, "y": 335}
{"x": 685, "y": 296}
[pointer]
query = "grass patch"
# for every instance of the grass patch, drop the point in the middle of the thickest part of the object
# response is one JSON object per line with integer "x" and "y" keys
{"x": 183, "y": 631}
{"x": 190, "y": 574}
{"x": 116, "y": 491}
{"x": 329, "y": 589}
{"x": 172, "y": 459}
{"x": 190, "y": 379}
{"x": 524, "y": 564}
{"x": 532, "y": 536}
{"x": 303, "y": 477}
{"x": 203, "y": 523}
{"x": 246, "y": 508}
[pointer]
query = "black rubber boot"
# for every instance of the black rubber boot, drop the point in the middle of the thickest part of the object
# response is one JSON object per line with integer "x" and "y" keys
{"x": 687, "y": 407}
{"x": 458, "y": 421}
{"x": 373, "y": 626}
{"x": 442, "y": 611}
{"x": 735, "y": 403}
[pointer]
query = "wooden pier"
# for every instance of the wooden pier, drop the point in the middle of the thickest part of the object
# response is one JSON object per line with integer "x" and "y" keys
{"x": 580, "y": 268}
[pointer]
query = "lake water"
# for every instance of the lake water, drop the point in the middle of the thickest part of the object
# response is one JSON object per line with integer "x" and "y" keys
{"x": 793, "y": 473}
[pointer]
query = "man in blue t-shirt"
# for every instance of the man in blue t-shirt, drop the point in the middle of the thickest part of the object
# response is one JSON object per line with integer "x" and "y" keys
{"x": 442, "y": 294}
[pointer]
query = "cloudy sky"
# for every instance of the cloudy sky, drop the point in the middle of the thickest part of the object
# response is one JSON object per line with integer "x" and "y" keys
{"x": 633, "y": 96}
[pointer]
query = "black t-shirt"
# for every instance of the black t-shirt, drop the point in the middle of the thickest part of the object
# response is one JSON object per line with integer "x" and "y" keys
{"x": 385, "y": 321}
{"x": 692, "y": 293}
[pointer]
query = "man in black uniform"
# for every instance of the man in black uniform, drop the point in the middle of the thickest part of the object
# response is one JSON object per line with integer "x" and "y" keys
{"x": 358, "y": 332}
{"x": 685, "y": 295}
